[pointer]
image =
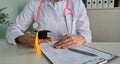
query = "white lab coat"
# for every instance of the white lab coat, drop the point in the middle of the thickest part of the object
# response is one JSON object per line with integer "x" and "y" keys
{"x": 51, "y": 18}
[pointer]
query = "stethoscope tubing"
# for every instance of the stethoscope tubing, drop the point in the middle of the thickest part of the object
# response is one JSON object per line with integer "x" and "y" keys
{"x": 65, "y": 11}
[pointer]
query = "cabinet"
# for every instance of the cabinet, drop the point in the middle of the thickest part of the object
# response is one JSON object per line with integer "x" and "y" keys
{"x": 105, "y": 24}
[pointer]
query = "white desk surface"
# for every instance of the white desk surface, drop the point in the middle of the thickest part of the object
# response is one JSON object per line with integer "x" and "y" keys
{"x": 20, "y": 55}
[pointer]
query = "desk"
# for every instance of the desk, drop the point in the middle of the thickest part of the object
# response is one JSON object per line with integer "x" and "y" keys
{"x": 21, "y": 55}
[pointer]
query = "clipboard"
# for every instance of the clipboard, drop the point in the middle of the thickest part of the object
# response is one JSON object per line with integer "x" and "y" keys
{"x": 65, "y": 56}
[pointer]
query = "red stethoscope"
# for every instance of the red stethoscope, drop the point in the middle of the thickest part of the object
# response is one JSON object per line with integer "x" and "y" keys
{"x": 67, "y": 8}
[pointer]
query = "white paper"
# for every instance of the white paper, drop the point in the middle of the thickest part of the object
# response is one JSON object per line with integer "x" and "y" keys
{"x": 65, "y": 56}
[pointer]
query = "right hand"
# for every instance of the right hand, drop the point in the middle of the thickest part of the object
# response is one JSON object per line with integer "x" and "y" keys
{"x": 28, "y": 39}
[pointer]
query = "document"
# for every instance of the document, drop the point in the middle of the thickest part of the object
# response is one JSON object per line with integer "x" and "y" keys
{"x": 66, "y": 56}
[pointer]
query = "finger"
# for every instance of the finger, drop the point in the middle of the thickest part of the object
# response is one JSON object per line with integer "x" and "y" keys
{"x": 30, "y": 41}
{"x": 72, "y": 45}
{"x": 29, "y": 44}
{"x": 27, "y": 33}
{"x": 75, "y": 44}
{"x": 50, "y": 39}
{"x": 63, "y": 38}
{"x": 63, "y": 45}
{"x": 30, "y": 34}
{"x": 43, "y": 41}
{"x": 71, "y": 39}
{"x": 65, "y": 41}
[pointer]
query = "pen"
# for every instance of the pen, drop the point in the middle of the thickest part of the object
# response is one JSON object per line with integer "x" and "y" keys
{"x": 82, "y": 52}
{"x": 103, "y": 62}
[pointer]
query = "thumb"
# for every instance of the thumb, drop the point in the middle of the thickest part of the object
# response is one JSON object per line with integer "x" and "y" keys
{"x": 27, "y": 32}
{"x": 43, "y": 41}
{"x": 30, "y": 34}
{"x": 50, "y": 39}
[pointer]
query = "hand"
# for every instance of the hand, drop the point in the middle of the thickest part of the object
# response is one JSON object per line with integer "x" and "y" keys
{"x": 28, "y": 39}
{"x": 70, "y": 41}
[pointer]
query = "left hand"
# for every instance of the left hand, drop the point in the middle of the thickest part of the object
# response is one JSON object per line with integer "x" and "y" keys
{"x": 70, "y": 41}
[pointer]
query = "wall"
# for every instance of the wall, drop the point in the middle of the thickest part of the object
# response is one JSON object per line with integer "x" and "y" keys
{"x": 13, "y": 9}
{"x": 105, "y": 24}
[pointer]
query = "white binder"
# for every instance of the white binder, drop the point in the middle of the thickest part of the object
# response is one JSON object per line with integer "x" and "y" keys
{"x": 111, "y": 3}
{"x": 99, "y": 3}
{"x": 89, "y": 2}
{"x": 94, "y": 3}
{"x": 105, "y": 3}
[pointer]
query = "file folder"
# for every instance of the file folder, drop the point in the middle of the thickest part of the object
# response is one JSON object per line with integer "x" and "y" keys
{"x": 89, "y": 2}
{"x": 105, "y": 3}
{"x": 94, "y": 3}
{"x": 65, "y": 56}
{"x": 99, "y": 3}
{"x": 111, "y": 3}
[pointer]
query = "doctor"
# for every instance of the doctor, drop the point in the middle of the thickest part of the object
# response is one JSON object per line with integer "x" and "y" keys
{"x": 67, "y": 19}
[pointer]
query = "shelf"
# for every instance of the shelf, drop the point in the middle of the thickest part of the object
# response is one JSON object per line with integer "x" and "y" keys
{"x": 116, "y": 8}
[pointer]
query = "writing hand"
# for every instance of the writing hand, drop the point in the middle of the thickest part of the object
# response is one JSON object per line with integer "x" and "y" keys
{"x": 70, "y": 41}
{"x": 28, "y": 39}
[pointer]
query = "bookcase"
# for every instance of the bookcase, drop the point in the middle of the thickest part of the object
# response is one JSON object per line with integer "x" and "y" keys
{"x": 105, "y": 24}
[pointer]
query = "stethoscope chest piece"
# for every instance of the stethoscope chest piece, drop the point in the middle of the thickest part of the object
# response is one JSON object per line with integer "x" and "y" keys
{"x": 35, "y": 25}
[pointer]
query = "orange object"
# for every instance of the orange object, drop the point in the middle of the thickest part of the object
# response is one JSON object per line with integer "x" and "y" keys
{"x": 36, "y": 46}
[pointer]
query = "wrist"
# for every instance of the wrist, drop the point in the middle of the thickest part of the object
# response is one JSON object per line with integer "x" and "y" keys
{"x": 19, "y": 39}
{"x": 83, "y": 39}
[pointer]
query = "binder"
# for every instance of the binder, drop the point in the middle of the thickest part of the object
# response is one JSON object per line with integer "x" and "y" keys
{"x": 65, "y": 56}
{"x": 111, "y": 3}
{"x": 94, "y": 3}
{"x": 89, "y": 2}
{"x": 105, "y": 3}
{"x": 99, "y": 3}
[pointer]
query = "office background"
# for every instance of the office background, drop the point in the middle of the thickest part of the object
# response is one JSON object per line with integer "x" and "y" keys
{"x": 105, "y": 23}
